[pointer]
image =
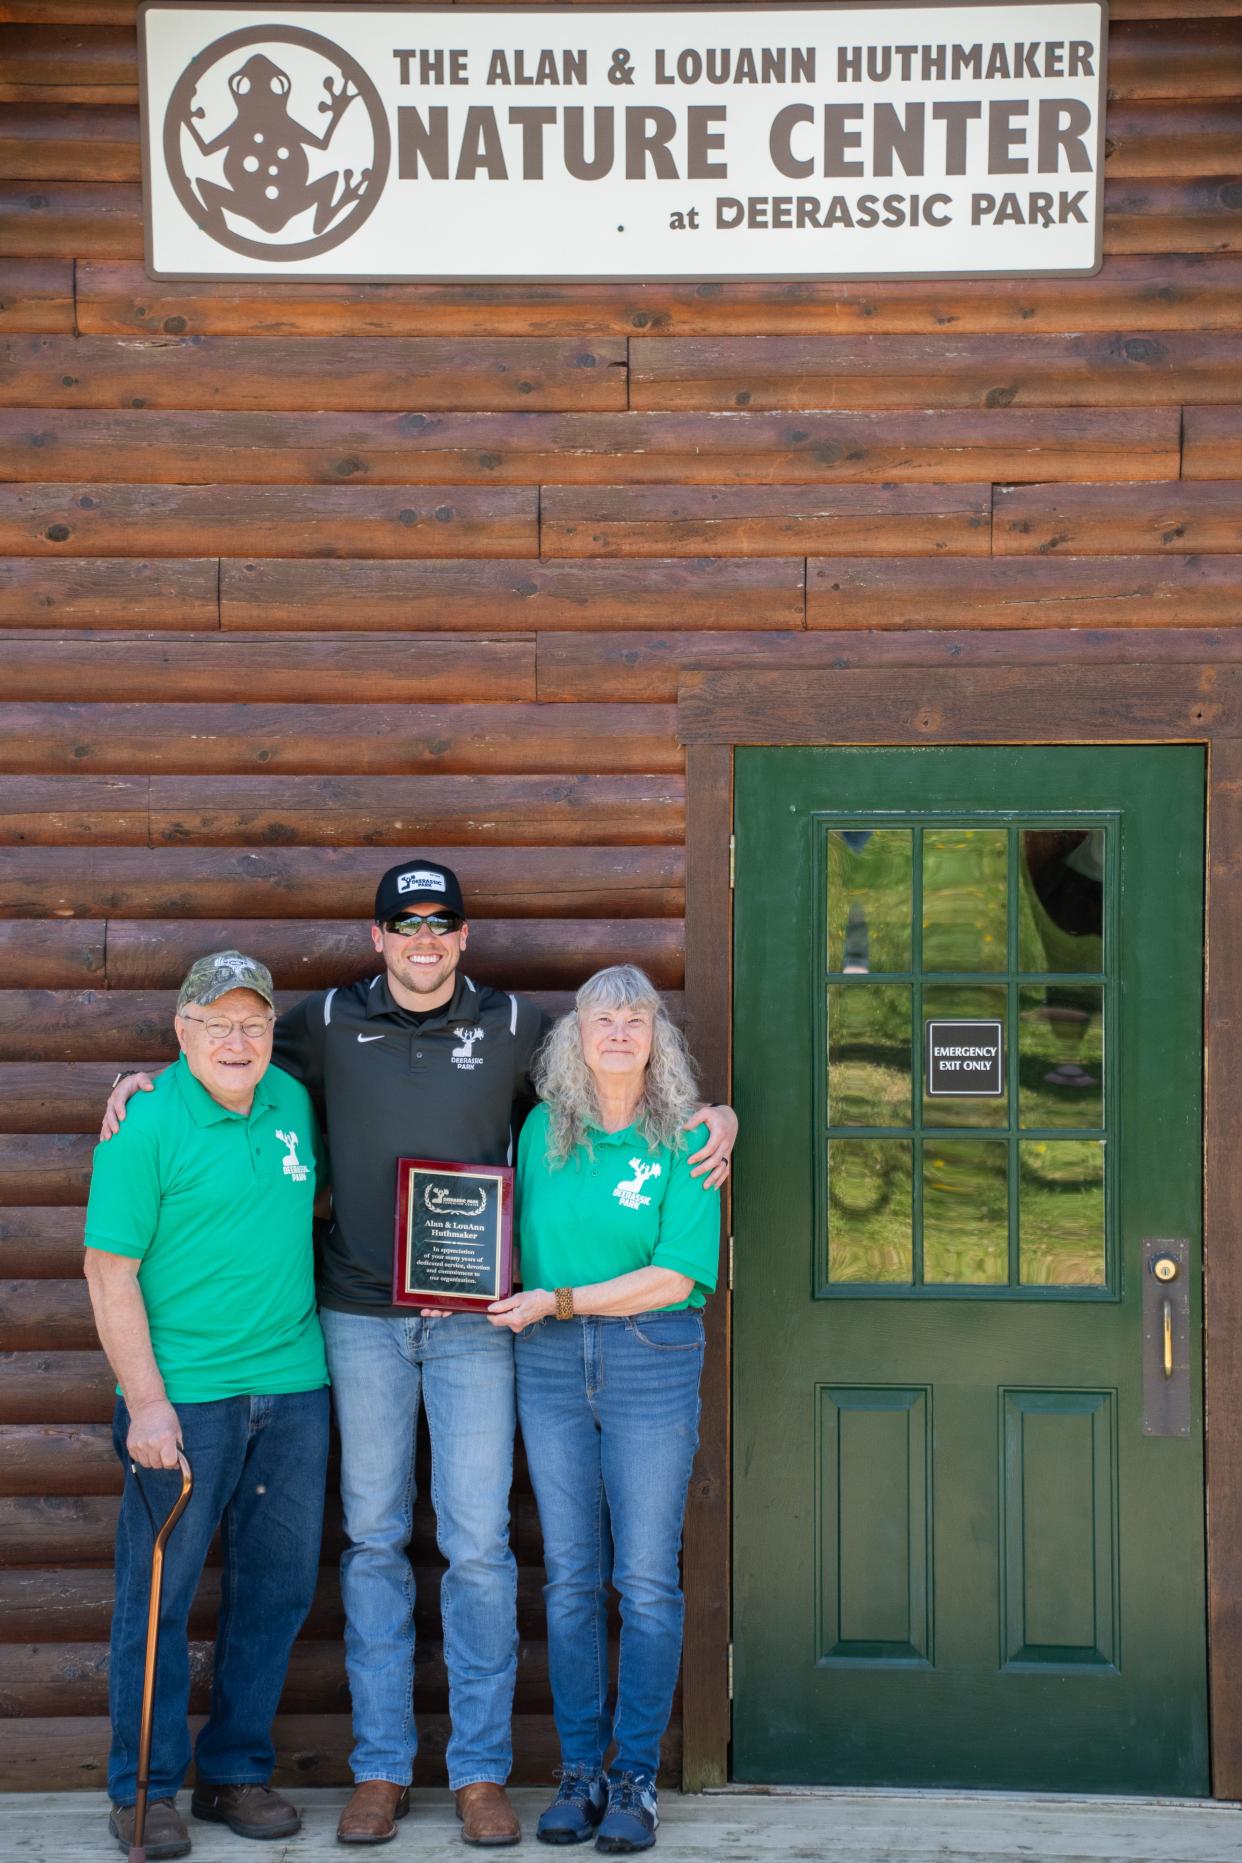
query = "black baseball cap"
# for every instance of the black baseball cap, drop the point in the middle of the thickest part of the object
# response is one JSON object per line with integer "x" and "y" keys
{"x": 417, "y": 883}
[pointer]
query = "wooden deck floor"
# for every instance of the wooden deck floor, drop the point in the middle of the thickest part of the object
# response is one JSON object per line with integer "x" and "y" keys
{"x": 839, "y": 1827}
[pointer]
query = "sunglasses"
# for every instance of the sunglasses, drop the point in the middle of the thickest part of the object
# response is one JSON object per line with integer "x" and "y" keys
{"x": 441, "y": 923}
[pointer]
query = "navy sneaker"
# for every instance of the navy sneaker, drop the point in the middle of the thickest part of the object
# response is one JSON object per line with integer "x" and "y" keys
{"x": 572, "y": 1816}
{"x": 631, "y": 1818}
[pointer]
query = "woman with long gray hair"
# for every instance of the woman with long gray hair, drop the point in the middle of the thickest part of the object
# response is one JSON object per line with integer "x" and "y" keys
{"x": 619, "y": 1250}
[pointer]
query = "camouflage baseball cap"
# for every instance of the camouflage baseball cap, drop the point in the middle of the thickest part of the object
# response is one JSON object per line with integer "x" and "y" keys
{"x": 209, "y": 978}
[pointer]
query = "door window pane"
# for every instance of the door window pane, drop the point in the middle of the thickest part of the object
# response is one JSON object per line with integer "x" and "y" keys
{"x": 1061, "y": 915}
{"x": 965, "y": 898}
{"x": 869, "y": 1210}
{"x": 962, "y": 1001}
{"x": 966, "y": 1212}
{"x": 1061, "y": 1055}
{"x": 868, "y": 1054}
{"x": 1061, "y": 1212}
{"x": 870, "y": 899}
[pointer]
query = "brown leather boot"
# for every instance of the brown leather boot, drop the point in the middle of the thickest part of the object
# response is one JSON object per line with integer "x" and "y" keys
{"x": 165, "y": 1835}
{"x": 486, "y": 1815}
{"x": 248, "y": 1810}
{"x": 371, "y": 1815}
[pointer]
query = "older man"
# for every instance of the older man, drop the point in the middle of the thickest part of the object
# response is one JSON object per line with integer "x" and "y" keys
{"x": 199, "y": 1261}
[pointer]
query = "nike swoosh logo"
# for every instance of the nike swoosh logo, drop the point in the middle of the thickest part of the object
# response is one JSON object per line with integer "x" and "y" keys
{"x": 370, "y": 1038}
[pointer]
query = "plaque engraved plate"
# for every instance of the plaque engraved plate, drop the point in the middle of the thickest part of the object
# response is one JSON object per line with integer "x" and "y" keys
{"x": 454, "y": 1235}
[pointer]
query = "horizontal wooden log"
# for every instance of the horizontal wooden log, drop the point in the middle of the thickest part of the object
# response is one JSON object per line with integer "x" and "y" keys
{"x": 1148, "y": 216}
{"x": 41, "y": 143}
{"x": 72, "y": 1678}
{"x": 339, "y": 882}
{"x": 1175, "y": 58}
{"x": 305, "y": 596}
{"x": 36, "y": 295}
{"x": 353, "y": 373}
{"x": 1100, "y": 520}
{"x": 309, "y": 669}
{"x": 414, "y": 740}
{"x": 40, "y": 1240}
{"x": 1180, "y": 139}
{"x": 1129, "y": 369}
{"x": 154, "y": 954}
{"x": 67, "y": 1753}
{"x": 54, "y": 1387}
{"x": 101, "y": 1025}
{"x": 64, "y": 955}
{"x": 105, "y": 593}
{"x": 1039, "y": 592}
{"x": 45, "y": 1168}
{"x": 763, "y": 520}
{"x": 49, "y": 1316}
{"x": 393, "y": 811}
{"x": 1174, "y": 292}
{"x": 69, "y": 12}
{"x": 43, "y": 811}
{"x": 51, "y": 53}
{"x": 58, "y": 1458}
{"x": 739, "y": 448}
{"x": 270, "y": 520}
{"x": 651, "y": 666}
{"x": 70, "y": 219}
{"x": 1212, "y": 443}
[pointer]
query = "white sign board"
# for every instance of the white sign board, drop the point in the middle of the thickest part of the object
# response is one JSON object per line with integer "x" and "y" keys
{"x": 399, "y": 142}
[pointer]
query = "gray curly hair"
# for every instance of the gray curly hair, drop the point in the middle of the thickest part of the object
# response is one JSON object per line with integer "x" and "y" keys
{"x": 567, "y": 1086}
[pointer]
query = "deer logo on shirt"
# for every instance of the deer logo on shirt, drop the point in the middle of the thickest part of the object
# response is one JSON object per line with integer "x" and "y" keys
{"x": 629, "y": 1194}
{"x": 293, "y": 1166}
{"x": 464, "y": 1057}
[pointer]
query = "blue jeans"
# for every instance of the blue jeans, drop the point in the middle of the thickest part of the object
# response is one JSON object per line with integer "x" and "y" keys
{"x": 461, "y": 1367}
{"x": 610, "y": 1419}
{"x": 258, "y": 1466}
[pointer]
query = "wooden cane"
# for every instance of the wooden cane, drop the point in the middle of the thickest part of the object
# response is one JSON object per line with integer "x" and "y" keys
{"x": 137, "y": 1850}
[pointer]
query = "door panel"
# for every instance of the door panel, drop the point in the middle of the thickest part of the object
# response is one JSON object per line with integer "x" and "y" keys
{"x": 967, "y": 1057}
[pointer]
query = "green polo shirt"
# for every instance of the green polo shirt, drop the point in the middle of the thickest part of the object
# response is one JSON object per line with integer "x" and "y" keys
{"x": 619, "y": 1208}
{"x": 217, "y": 1207}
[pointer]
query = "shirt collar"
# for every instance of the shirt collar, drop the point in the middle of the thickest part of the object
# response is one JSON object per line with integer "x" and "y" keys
{"x": 462, "y": 1005}
{"x": 206, "y": 1111}
{"x": 628, "y": 1135}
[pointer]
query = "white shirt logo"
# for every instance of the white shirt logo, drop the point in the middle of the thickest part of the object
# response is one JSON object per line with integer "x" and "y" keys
{"x": 627, "y": 1194}
{"x": 420, "y": 881}
{"x": 370, "y": 1038}
{"x": 293, "y": 1165}
{"x": 463, "y": 1057}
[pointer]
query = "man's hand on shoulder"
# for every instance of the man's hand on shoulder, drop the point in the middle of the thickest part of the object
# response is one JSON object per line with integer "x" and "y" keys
{"x": 114, "y": 1112}
{"x": 154, "y": 1435}
{"x": 711, "y": 1161}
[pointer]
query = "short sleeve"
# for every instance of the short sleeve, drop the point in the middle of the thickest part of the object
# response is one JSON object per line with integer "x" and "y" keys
{"x": 123, "y": 1208}
{"x": 689, "y": 1239}
{"x": 299, "y": 1041}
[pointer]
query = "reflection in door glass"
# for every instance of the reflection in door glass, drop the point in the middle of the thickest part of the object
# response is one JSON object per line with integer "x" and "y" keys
{"x": 1061, "y": 1212}
{"x": 965, "y": 898}
{"x": 965, "y": 1212}
{"x": 869, "y": 1210}
{"x": 1061, "y": 1055}
{"x": 964, "y": 1001}
{"x": 869, "y": 899}
{"x": 1061, "y": 917}
{"x": 868, "y": 1054}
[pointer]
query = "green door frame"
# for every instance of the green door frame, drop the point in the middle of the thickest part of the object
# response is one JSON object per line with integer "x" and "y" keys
{"x": 1070, "y": 702}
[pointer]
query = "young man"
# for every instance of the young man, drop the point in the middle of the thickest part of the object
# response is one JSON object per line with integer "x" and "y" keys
{"x": 199, "y": 1259}
{"x": 420, "y": 1061}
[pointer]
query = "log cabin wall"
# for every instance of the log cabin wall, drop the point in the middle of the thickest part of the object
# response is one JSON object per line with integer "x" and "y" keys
{"x": 295, "y": 579}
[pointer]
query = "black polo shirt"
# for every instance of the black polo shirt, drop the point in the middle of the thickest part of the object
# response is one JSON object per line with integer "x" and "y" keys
{"x": 453, "y": 1084}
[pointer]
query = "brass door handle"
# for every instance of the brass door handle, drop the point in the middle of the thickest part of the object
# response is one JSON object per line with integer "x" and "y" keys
{"x": 1166, "y": 1319}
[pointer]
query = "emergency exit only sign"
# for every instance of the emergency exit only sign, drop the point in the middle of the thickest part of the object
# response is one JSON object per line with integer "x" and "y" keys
{"x": 965, "y": 1060}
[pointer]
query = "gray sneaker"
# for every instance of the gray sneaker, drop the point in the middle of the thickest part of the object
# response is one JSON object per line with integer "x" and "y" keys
{"x": 164, "y": 1835}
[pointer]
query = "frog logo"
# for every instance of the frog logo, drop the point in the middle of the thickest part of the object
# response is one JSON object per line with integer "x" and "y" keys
{"x": 249, "y": 157}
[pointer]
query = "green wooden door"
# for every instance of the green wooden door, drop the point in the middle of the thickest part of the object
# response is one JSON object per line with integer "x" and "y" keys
{"x": 961, "y": 1555}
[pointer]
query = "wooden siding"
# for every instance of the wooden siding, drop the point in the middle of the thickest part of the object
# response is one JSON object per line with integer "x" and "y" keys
{"x": 295, "y": 578}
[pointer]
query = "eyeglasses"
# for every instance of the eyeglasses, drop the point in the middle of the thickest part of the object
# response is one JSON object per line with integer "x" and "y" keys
{"x": 219, "y": 1028}
{"x": 441, "y": 923}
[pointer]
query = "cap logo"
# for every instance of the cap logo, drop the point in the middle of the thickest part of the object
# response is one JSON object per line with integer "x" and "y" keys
{"x": 421, "y": 880}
